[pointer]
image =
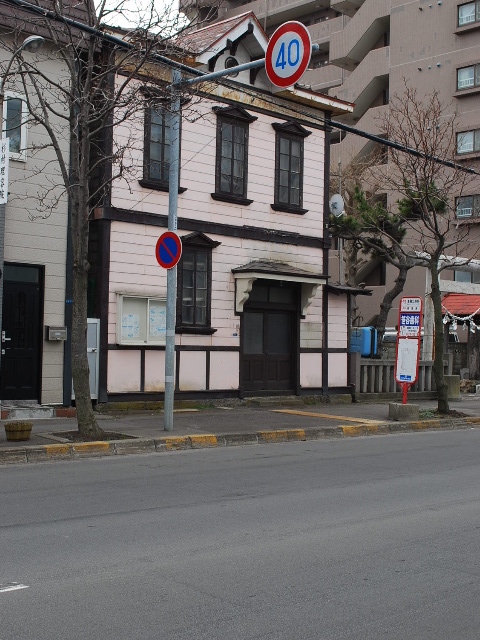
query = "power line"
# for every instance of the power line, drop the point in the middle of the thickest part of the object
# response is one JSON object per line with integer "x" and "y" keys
{"x": 52, "y": 15}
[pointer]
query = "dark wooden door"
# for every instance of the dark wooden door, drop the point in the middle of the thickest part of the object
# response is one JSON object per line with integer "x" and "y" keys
{"x": 268, "y": 350}
{"x": 20, "y": 365}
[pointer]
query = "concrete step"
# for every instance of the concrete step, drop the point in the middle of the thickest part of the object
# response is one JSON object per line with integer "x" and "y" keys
{"x": 28, "y": 413}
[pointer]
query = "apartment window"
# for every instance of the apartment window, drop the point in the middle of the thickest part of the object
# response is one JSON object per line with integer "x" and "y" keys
{"x": 231, "y": 167}
{"x": 467, "y": 206}
{"x": 466, "y": 276}
{"x": 468, "y": 13}
{"x": 194, "y": 285}
{"x": 141, "y": 320}
{"x": 14, "y": 125}
{"x": 468, "y": 77}
{"x": 468, "y": 141}
{"x": 289, "y": 151}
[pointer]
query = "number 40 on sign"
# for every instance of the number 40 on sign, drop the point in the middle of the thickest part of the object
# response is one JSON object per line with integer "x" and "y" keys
{"x": 288, "y": 54}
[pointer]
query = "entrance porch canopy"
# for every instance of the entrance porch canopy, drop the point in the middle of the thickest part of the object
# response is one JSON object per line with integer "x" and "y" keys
{"x": 246, "y": 275}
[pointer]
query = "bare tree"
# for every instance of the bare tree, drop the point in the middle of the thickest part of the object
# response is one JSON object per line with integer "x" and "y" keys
{"x": 425, "y": 228}
{"x": 97, "y": 89}
{"x": 365, "y": 213}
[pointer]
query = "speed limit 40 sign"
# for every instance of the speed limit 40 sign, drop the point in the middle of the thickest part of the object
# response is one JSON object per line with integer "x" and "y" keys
{"x": 288, "y": 54}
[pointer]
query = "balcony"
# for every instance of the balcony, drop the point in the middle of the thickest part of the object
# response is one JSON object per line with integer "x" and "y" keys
{"x": 353, "y": 146}
{"x": 323, "y": 78}
{"x": 368, "y": 80}
{"x": 322, "y": 31}
{"x": 347, "y": 7}
{"x": 349, "y": 46}
{"x": 276, "y": 11}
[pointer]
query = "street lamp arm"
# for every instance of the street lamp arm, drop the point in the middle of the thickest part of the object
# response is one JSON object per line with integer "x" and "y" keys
{"x": 32, "y": 43}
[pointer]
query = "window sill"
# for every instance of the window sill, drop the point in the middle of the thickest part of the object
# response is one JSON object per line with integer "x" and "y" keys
{"x": 204, "y": 331}
{"x": 471, "y": 155}
{"x": 466, "y": 92}
{"x": 157, "y": 186}
{"x": 286, "y": 208}
{"x": 473, "y": 26}
{"x": 223, "y": 197}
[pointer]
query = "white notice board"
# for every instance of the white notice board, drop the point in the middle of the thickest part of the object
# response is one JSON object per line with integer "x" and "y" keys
{"x": 407, "y": 358}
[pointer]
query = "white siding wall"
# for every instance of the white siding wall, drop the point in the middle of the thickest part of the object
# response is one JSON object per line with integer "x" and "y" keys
{"x": 36, "y": 231}
{"x": 134, "y": 269}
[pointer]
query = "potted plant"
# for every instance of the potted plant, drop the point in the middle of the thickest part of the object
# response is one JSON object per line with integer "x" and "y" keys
{"x": 18, "y": 430}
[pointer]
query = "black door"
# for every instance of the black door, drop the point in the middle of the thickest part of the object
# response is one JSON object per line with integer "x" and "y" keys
{"x": 21, "y": 331}
{"x": 269, "y": 339}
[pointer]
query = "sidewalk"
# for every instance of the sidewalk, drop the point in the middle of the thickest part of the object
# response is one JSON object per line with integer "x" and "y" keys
{"x": 268, "y": 420}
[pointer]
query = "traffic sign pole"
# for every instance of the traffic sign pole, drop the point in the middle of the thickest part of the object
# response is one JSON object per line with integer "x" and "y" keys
{"x": 174, "y": 129}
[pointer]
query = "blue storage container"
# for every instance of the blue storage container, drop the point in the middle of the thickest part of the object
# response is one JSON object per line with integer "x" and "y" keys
{"x": 364, "y": 340}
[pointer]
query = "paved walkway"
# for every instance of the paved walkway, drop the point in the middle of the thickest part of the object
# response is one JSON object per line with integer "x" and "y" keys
{"x": 266, "y": 421}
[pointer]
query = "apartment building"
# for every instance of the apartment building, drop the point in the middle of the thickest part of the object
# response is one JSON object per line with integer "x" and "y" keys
{"x": 366, "y": 49}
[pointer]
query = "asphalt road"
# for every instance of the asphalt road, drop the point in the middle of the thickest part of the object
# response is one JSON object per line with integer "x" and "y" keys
{"x": 367, "y": 538}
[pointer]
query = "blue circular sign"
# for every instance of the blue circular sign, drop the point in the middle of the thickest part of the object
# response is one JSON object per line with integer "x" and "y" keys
{"x": 168, "y": 250}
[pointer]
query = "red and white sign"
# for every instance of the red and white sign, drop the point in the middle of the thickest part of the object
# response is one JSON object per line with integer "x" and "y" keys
{"x": 168, "y": 250}
{"x": 408, "y": 342}
{"x": 288, "y": 54}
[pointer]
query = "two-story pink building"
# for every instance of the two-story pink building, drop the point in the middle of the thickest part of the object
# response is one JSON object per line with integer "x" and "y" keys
{"x": 256, "y": 313}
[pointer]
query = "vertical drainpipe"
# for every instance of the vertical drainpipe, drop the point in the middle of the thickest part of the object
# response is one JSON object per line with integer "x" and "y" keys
{"x": 326, "y": 246}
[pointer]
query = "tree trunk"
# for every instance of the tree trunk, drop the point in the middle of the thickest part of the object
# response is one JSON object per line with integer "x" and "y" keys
{"x": 80, "y": 154}
{"x": 388, "y": 299}
{"x": 440, "y": 383}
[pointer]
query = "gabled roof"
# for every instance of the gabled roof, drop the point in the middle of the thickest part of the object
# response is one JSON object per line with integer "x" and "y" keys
{"x": 207, "y": 37}
{"x": 462, "y": 304}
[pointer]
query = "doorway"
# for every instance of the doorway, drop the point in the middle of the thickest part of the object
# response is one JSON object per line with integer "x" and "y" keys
{"x": 21, "y": 332}
{"x": 269, "y": 336}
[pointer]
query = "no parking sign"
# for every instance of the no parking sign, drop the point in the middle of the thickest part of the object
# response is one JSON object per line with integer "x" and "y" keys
{"x": 168, "y": 250}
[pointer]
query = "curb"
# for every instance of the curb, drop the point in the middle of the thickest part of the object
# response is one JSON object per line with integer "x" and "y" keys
{"x": 73, "y": 451}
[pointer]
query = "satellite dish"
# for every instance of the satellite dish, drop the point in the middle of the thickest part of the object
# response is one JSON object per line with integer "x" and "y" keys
{"x": 337, "y": 205}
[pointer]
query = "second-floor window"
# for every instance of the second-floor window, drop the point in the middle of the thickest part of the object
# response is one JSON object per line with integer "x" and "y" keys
{"x": 289, "y": 149}
{"x": 467, "y": 206}
{"x": 157, "y": 145}
{"x": 231, "y": 169}
{"x": 14, "y": 125}
{"x": 468, "y": 77}
{"x": 468, "y": 13}
{"x": 468, "y": 141}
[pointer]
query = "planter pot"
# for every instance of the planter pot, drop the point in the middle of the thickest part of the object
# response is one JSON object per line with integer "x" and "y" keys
{"x": 20, "y": 430}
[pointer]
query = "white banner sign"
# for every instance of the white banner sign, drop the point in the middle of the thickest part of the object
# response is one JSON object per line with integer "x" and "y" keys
{"x": 4, "y": 150}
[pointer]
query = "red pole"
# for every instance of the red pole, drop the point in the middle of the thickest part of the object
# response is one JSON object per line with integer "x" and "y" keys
{"x": 405, "y": 388}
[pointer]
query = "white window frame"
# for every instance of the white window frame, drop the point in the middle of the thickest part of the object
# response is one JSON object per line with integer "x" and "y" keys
{"x": 22, "y": 156}
{"x": 472, "y": 17}
{"x": 473, "y": 144}
{"x": 140, "y": 324}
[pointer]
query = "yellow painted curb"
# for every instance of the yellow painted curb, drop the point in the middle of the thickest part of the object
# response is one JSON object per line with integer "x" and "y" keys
{"x": 310, "y": 414}
{"x": 173, "y": 443}
{"x": 352, "y": 431}
{"x": 57, "y": 449}
{"x": 88, "y": 447}
{"x": 273, "y": 436}
{"x": 296, "y": 434}
{"x": 424, "y": 424}
{"x": 473, "y": 420}
{"x": 204, "y": 440}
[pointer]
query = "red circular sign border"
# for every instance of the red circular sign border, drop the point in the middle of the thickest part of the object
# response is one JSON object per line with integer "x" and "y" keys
{"x": 178, "y": 241}
{"x": 302, "y": 31}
